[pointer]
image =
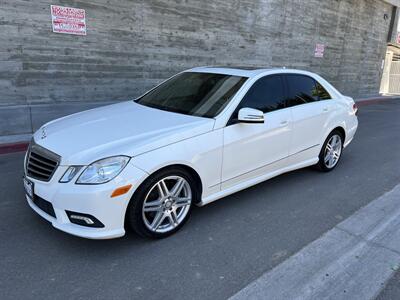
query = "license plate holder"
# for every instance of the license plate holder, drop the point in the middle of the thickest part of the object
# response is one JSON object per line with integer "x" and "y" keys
{"x": 28, "y": 186}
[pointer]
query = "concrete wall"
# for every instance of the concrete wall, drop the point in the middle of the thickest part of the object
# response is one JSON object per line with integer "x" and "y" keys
{"x": 132, "y": 45}
{"x": 393, "y": 2}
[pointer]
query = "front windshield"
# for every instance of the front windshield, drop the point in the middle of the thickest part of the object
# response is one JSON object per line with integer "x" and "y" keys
{"x": 196, "y": 94}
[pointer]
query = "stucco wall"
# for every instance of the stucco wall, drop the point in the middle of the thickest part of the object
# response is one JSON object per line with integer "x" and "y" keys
{"x": 132, "y": 45}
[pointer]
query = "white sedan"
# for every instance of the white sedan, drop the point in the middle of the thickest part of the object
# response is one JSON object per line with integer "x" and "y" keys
{"x": 197, "y": 137}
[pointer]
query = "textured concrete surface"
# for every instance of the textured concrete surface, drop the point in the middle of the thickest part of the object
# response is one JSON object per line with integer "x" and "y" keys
{"x": 132, "y": 45}
{"x": 351, "y": 261}
{"x": 224, "y": 246}
{"x": 393, "y": 2}
{"x": 23, "y": 120}
{"x": 15, "y": 120}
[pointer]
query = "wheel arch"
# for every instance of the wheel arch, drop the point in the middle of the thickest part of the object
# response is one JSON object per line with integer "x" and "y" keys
{"x": 195, "y": 175}
{"x": 191, "y": 171}
{"x": 341, "y": 130}
{"x": 187, "y": 168}
{"x": 338, "y": 128}
{"x": 182, "y": 167}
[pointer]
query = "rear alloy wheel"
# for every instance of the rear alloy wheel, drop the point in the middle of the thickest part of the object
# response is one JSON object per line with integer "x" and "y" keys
{"x": 331, "y": 151}
{"x": 162, "y": 204}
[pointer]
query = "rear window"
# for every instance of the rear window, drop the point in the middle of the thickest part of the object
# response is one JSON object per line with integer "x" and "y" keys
{"x": 322, "y": 92}
{"x": 304, "y": 89}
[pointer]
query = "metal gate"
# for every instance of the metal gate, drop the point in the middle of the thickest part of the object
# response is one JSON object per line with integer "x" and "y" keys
{"x": 390, "y": 83}
{"x": 394, "y": 78}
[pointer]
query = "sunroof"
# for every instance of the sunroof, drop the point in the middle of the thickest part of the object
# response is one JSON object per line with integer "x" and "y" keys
{"x": 249, "y": 68}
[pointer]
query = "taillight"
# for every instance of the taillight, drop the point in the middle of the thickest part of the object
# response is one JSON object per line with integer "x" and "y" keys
{"x": 355, "y": 109}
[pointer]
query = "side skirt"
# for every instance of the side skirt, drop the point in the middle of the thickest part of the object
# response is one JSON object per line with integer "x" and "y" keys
{"x": 248, "y": 183}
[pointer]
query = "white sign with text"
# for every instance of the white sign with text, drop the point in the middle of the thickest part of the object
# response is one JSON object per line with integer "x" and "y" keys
{"x": 319, "y": 50}
{"x": 68, "y": 20}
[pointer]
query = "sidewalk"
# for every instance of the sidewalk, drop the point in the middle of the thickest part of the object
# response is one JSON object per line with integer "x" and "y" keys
{"x": 18, "y": 143}
{"x": 354, "y": 260}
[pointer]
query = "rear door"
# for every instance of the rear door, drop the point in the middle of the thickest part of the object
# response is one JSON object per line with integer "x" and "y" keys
{"x": 310, "y": 109}
{"x": 248, "y": 148}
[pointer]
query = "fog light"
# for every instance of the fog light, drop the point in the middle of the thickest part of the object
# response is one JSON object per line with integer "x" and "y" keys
{"x": 83, "y": 219}
{"x": 86, "y": 219}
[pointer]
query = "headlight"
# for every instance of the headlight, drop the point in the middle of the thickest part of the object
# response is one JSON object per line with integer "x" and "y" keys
{"x": 103, "y": 170}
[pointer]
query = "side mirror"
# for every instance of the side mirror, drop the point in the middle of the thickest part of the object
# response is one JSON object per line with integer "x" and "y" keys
{"x": 250, "y": 115}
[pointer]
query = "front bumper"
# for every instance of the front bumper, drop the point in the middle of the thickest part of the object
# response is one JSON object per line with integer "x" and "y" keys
{"x": 93, "y": 200}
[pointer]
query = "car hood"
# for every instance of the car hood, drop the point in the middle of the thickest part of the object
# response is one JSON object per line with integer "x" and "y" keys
{"x": 125, "y": 128}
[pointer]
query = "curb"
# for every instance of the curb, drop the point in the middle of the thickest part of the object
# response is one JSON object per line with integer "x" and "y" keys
{"x": 353, "y": 260}
{"x": 368, "y": 101}
{"x": 13, "y": 147}
{"x": 22, "y": 146}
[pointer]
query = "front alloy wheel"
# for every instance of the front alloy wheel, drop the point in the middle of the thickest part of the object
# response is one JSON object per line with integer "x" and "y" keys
{"x": 167, "y": 204}
{"x": 162, "y": 204}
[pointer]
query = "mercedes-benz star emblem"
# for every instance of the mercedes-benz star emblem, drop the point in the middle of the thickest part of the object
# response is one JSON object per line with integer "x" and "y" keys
{"x": 44, "y": 134}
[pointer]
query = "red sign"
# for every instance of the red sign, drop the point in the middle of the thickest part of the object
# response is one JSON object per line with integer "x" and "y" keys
{"x": 68, "y": 20}
{"x": 319, "y": 50}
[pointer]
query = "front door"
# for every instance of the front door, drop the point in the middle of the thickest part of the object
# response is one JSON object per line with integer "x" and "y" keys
{"x": 250, "y": 148}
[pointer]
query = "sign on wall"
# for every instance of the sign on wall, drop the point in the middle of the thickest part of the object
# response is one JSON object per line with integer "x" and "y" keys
{"x": 319, "y": 50}
{"x": 68, "y": 20}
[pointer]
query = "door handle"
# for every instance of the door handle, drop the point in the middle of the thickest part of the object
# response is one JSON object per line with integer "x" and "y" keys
{"x": 326, "y": 109}
{"x": 284, "y": 123}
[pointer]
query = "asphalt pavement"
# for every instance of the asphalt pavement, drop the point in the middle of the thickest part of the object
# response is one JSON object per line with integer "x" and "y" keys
{"x": 392, "y": 288}
{"x": 225, "y": 246}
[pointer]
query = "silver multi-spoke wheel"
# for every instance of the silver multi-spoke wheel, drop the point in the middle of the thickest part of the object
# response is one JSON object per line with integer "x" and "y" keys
{"x": 166, "y": 204}
{"x": 333, "y": 150}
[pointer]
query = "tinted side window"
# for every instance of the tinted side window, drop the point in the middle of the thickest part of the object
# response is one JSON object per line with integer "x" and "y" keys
{"x": 266, "y": 94}
{"x": 302, "y": 89}
{"x": 322, "y": 93}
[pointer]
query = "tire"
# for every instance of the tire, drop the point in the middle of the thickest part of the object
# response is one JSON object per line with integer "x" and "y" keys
{"x": 155, "y": 211}
{"x": 327, "y": 163}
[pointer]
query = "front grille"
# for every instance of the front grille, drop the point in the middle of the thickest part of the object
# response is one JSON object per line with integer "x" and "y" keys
{"x": 41, "y": 163}
{"x": 44, "y": 205}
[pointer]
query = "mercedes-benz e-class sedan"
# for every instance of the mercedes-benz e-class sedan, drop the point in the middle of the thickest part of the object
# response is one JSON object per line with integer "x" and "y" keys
{"x": 199, "y": 136}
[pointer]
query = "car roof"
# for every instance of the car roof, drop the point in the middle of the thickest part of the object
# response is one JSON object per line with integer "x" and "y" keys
{"x": 245, "y": 71}
{"x": 251, "y": 72}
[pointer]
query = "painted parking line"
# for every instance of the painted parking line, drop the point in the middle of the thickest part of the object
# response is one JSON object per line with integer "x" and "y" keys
{"x": 353, "y": 260}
